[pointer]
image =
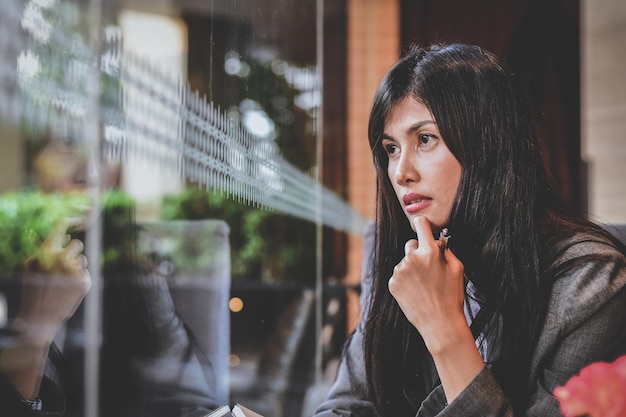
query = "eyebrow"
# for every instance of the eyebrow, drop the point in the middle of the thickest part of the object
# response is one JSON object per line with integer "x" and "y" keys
{"x": 413, "y": 128}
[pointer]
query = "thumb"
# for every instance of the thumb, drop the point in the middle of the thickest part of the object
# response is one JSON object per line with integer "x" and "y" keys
{"x": 453, "y": 262}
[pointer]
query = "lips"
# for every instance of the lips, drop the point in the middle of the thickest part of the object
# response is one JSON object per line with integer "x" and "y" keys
{"x": 415, "y": 202}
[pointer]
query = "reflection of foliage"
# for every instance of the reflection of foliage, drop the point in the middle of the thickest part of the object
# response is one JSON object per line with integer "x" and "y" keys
{"x": 189, "y": 247}
{"x": 26, "y": 219}
{"x": 263, "y": 244}
{"x": 276, "y": 96}
{"x": 62, "y": 54}
{"x": 120, "y": 230}
{"x": 264, "y": 83}
{"x": 56, "y": 69}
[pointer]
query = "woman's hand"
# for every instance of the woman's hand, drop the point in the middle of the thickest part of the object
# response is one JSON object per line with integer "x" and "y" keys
{"x": 54, "y": 283}
{"x": 429, "y": 286}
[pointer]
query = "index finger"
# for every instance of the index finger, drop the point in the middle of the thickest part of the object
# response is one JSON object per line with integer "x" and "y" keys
{"x": 424, "y": 232}
{"x": 57, "y": 236}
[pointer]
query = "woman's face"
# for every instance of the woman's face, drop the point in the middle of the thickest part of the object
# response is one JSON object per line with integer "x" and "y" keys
{"x": 62, "y": 167}
{"x": 424, "y": 173}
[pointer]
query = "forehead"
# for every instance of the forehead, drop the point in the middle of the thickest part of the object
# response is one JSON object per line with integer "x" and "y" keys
{"x": 407, "y": 112}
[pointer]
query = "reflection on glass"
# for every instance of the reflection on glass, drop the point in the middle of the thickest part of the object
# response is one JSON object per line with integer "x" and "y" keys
{"x": 195, "y": 202}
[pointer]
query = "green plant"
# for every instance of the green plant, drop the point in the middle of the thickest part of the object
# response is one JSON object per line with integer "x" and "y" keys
{"x": 264, "y": 244}
{"x": 26, "y": 218}
{"x": 120, "y": 231}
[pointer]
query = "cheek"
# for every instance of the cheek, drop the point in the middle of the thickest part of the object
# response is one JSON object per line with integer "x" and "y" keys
{"x": 391, "y": 178}
{"x": 450, "y": 180}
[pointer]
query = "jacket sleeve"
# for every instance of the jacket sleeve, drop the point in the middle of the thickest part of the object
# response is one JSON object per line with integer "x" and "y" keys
{"x": 171, "y": 380}
{"x": 348, "y": 396}
{"x": 11, "y": 401}
{"x": 585, "y": 323}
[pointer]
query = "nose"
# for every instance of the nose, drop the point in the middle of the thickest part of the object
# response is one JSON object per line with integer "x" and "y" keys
{"x": 79, "y": 177}
{"x": 405, "y": 169}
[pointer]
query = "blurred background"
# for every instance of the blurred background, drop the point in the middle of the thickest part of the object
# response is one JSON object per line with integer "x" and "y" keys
{"x": 237, "y": 133}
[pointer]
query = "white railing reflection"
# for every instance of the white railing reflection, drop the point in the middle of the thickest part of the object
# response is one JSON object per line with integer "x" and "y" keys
{"x": 146, "y": 115}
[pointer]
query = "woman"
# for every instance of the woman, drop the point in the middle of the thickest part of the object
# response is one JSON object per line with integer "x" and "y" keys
{"x": 148, "y": 361}
{"x": 519, "y": 299}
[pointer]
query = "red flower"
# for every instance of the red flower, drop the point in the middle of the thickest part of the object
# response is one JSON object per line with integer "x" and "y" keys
{"x": 598, "y": 391}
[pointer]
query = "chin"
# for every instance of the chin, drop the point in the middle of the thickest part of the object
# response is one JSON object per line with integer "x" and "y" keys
{"x": 436, "y": 225}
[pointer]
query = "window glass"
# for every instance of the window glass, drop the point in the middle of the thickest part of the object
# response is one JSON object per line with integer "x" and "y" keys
{"x": 165, "y": 232}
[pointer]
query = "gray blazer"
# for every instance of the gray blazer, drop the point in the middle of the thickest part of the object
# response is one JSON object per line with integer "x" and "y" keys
{"x": 586, "y": 322}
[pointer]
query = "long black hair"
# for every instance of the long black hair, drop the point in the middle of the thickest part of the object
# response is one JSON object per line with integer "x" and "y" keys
{"x": 503, "y": 212}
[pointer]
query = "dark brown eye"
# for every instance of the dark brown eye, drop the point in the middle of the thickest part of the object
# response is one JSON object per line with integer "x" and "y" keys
{"x": 390, "y": 148}
{"x": 426, "y": 138}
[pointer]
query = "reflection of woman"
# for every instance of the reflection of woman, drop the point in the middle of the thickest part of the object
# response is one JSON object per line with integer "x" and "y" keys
{"x": 523, "y": 297}
{"x": 148, "y": 363}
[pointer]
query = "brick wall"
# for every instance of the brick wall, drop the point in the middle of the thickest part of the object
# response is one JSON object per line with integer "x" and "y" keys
{"x": 373, "y": 47}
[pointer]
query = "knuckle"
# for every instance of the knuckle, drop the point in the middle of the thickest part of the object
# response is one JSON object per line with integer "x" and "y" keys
{"x": 457, "y": 266}
{"x": 391, "y": 284}
{"x": 413, "y": 257}
{"x": 428, "y": 250}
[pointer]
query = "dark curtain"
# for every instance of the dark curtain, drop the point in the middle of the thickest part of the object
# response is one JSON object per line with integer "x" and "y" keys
{"x": 540, "y": 39}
